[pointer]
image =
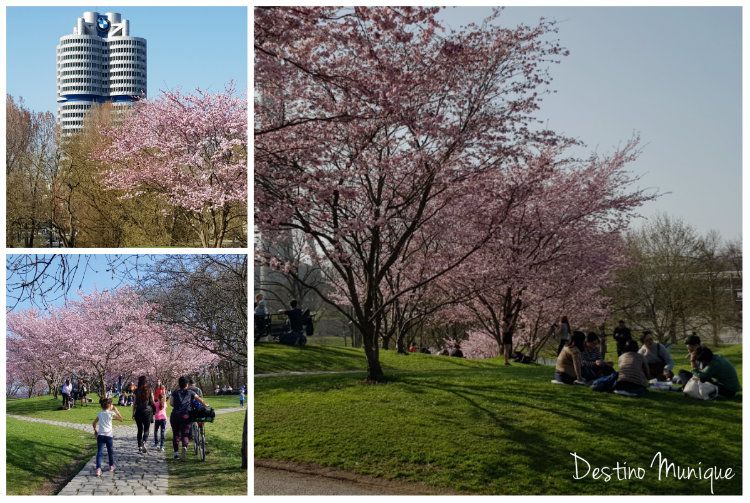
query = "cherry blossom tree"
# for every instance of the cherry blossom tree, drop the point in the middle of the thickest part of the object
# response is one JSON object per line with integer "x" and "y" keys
{"x": 480, "y": 346}
{"x": 556, "y": 252}
{"x": 21, "y": 374}
{"x": 106, "y": 333}
{"x": 190, "y": 150}
{"x": 371, "y": 125}
{"x": 37, "y": 341}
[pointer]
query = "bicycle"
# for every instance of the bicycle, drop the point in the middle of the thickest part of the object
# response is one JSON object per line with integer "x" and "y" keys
{"x": 198, "y": 418}
{"x": 199, "y": 439}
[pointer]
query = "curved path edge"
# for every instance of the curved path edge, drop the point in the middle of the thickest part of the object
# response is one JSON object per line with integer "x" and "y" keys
{"x": 276, "y": 477}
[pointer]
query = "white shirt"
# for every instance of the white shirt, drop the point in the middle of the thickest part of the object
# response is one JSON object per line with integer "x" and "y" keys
{"x": 105, "y": 422}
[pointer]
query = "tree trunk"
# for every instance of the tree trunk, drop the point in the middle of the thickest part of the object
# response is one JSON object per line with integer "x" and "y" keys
{"x": 370, "y": 342}
{"x": 102, "y": 388}
{"x": 715, "y": 329}
{"x": 386, "y": 342}
{"x": 244, "y": 443}
{"x": 400, "y": 342}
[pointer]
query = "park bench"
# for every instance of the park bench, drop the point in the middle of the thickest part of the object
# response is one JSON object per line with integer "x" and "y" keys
{"x": 273, "y": 326}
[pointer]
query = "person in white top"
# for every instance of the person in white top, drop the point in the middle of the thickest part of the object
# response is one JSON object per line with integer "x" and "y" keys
{"x": 66, "y": 389}
{"x": 104, "y": 435}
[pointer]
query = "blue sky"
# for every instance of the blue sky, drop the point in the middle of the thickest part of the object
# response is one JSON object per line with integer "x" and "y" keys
{"x": 188, "y": 47}
{"x": 93, "y": 272}
{"x": 672, "y": 74}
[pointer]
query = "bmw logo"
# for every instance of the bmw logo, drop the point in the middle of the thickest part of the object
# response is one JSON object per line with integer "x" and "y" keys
{"x": 102, "y": 23}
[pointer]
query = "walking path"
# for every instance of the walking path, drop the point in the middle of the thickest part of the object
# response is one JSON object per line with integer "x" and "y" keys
{"x": 275, "y": 477}
{"x": 135, "y": 473}
{"x": 540, "y": 361}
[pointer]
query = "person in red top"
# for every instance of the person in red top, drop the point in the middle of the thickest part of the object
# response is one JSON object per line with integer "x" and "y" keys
{"x": 158, "y": 390}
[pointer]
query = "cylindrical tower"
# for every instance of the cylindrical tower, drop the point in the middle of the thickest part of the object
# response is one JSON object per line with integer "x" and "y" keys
{"x": 99, "y": 62}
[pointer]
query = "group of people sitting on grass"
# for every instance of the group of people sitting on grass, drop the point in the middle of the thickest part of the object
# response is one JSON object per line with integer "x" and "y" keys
{"x": 581, "y": 362}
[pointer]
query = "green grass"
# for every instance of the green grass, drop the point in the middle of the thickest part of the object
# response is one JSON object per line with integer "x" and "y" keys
{"x": 223, "y": 401}
{"x": 221, "y": 472}
{"x": 274, "y": 357}
{"x": 481, "y": 427}
{"x": 36, "y": 454}
{"x": 46, "y": 407}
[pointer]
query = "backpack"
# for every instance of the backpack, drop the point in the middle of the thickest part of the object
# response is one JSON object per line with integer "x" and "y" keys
{"x": 606, "y": 383}
{"x": 202, "y": 414}
{"x": 700, "y": 390}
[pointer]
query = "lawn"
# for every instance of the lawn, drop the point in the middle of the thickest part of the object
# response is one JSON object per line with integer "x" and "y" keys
{"x": 481, "y": 427}
{"x": 46, "y": 407}
{"x": 37, "y": 455}
{"x": 221, "y": 472}
{"x": 38, "y": 452}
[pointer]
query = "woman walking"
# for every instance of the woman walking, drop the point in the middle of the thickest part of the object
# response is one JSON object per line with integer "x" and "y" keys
{"x": 143, "y": 411}
{"x": 179, "y": 419}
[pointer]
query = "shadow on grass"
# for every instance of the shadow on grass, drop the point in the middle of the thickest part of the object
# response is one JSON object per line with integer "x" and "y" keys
{"x": 274, "y": 357}
{"x": 523, "y": 428}
{"x": 54, "y": 465}
{"x": 26, "y": 406}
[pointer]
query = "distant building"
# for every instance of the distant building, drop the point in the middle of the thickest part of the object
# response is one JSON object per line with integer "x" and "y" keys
{"x": 99, "y": 62}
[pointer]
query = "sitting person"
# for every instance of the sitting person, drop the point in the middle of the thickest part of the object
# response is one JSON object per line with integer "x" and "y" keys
{"x": 123, "y": 400}
{"x": 633, "y": 370}
{"x": 129, "y": 400}
{"x": 592, "y": 361}
{"x": 693, "y": 342}
{"x": 658, "y": 359}
{"x": 569, "y": 368}
{"x": 715, "y": 369}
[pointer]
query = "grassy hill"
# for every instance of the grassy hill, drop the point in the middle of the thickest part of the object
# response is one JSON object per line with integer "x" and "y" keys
{"x": 481, "y": 427}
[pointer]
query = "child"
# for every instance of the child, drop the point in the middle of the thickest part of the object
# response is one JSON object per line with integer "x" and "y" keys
{"x": 242, "y": 398}
{"x": 160, "y": 420}
{"x": 104, "y": 435}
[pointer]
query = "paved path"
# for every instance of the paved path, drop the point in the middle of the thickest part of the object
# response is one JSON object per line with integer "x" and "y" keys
{"x": 274, "y": 477}
{"x": 540, "y": 361}
{"x": 269, "y": 481}
{"x": 135, "y": 473}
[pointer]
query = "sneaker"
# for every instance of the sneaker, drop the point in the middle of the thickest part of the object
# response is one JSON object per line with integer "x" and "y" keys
{"x": 98, "y": 472}
{"x": 156, "y": 444}
{"x": 112, "y": 468}
{"x": 184, "y": 453}
{"x": 144, "y": 450}
{"x": 176, "y": 455}
{"x": 161, "y": 448}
